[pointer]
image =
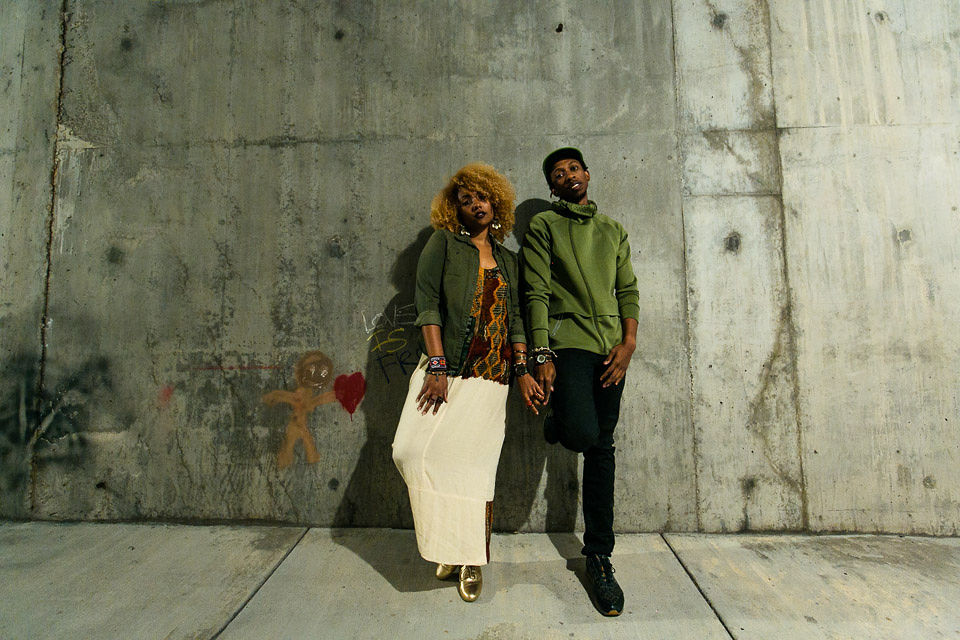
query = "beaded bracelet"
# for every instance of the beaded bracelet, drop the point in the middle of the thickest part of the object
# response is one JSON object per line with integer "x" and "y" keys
{"x": 437, "y": 365}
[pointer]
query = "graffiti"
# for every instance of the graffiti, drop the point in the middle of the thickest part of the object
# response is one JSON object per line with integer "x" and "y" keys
{"x": 388, "y": 340}
{"x": 404, "y": 362}
{"x": 383, "y": 341}
{"x": 164, "y": 396}
{"x": 40, "y": 423}
{"x": 349, "y": 391}
{"x": 313, "y": 373}
{"x": 403, "y": 315}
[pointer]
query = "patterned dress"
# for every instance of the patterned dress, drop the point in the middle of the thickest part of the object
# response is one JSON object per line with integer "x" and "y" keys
{"x": 490, "y": 352}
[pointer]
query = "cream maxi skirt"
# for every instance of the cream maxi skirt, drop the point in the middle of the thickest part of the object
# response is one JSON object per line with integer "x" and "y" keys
{"x": 449, "y": 462}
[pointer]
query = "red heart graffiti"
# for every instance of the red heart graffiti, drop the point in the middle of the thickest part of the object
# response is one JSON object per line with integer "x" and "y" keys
{"x": 349, "y": 390}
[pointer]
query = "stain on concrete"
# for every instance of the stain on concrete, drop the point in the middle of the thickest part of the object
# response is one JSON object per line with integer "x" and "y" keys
{"x": 930, "y": 482}
{"x": 339, "y": 34}
{"x": 40, "y": 424}
{"x": 904, "y": 235}
{"x": 763, "y": 410}
{"x": 732, "y": 242}
{"x": 333, "y": 484}
{"x": 335, "y": 247}
{"x": 754, "y": 61}
{"x": 126, "y": 44}
{"x": 924, "y": 555}
{"x": 115, "y": 255}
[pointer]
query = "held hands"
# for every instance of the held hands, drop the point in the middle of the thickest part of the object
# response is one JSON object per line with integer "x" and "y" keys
{"x": 617, "y": 360}
{"x": 432, "y": 394}
{"x": 531, "y": 392}
{"x": 546, "y": 374}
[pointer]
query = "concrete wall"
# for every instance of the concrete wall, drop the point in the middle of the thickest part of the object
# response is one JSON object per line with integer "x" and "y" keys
{"x": 195, "y": 195}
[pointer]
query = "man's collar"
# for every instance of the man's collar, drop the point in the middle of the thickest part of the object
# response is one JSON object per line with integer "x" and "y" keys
{"x": 579, "y": 210}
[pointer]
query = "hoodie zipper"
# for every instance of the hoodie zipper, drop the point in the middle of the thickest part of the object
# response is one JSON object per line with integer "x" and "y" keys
{"x": 593, "y": 304}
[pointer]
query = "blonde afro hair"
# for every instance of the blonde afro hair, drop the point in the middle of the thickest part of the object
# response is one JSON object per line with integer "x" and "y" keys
{"x": 483, "y": 179}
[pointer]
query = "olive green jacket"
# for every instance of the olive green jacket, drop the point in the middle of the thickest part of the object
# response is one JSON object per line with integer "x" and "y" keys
{"x": 579, "y": 283}
{"x": 446, "y": 283}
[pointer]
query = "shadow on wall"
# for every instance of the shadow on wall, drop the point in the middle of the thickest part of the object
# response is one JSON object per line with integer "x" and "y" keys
{"x": 40, "y": 426}
{"x": 375, "y": 495}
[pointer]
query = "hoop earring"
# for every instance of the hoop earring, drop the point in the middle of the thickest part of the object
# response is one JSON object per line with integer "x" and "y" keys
{"x": 463, "y": 231}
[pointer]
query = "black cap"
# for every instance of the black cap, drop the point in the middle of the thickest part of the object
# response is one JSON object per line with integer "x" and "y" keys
{"x": 563, "y": 153}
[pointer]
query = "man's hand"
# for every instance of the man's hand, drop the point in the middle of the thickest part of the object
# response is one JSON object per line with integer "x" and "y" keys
{"x": 617, "y": 362}
{"x": 546, "y": 374}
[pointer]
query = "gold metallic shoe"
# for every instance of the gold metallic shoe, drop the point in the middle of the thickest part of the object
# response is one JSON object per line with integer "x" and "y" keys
{"x": 444, "y": 571}
{"x": 471, "y": 582}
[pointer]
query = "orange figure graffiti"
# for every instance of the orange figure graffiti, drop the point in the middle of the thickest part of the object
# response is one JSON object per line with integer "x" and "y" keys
{"x": 314, "y": 373}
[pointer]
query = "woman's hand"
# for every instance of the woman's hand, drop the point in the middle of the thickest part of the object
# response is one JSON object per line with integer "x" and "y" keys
{"x": 546, "y": 374}
{"x": 432, "y": 394}
{"x": 531, "y": 392}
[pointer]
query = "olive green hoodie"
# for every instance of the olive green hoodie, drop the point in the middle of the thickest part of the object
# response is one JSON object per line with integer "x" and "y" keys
{"x": 578, "y": 282}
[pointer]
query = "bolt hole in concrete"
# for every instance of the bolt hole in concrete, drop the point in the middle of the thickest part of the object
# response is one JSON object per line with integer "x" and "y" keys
{"x": 719, "y": 19}
{"x": 732, "y": 242}
{"x": 880, "y": 16}
{"x": 339, "y": 34}
{"x": 560, "y": 28}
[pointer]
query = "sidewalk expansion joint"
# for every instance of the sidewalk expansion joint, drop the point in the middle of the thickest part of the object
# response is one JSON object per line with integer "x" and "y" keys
{"x": 697, "y": 585}
{"x": 259, "y": 586}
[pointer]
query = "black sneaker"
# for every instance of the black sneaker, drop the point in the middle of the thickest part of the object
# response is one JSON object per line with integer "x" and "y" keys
{"x": 607, "y": 594}
{"x": 550, "y": 431}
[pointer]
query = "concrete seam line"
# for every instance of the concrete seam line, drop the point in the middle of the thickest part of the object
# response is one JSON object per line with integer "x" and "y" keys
{"x": 685, "y": 291}
{"x": 703, "y": 595}
{"x": 256, "y": 590}
{"x": 785, "y": 266}
{"x": 54, "y": 169}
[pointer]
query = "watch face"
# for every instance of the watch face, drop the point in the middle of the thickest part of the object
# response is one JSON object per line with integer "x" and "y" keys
{"x": 520, "y": 370}
{"x": 540, "y": 358}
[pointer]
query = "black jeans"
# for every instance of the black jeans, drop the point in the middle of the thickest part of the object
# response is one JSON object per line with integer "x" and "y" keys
{"x": 584, "y": 418}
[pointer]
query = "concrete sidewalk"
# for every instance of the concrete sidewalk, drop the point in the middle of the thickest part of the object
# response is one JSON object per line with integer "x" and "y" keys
{"x": 135, "y": 581}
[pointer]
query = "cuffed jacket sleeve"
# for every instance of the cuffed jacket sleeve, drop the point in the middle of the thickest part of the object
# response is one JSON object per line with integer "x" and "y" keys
{"x": 628, "y": 296}
{"x": 535, "y": 256}
{"x": 429, "y": 280}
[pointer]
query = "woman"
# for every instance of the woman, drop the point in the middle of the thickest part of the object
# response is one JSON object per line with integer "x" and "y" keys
{"x": 448, "y": 441}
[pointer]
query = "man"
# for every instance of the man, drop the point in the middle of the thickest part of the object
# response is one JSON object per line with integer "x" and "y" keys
{"x": 582, "y": 307}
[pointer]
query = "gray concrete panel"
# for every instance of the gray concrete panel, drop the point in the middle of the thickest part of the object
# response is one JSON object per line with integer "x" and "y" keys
{"x": 718, "y": 162}
{"x": 131, "y": 581}
{"x": 723, "y": 64}
{"x": 847, "y": 63}
{"x": 228, "y": 272}
{"x": 188, "y": 73}
{"x": 363, "y": 583}
{"x": 829, "y": 587}
{"x": 872, "y": 241}
{"x": 29, "y": 79}
{"x": 744, "y": 411}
